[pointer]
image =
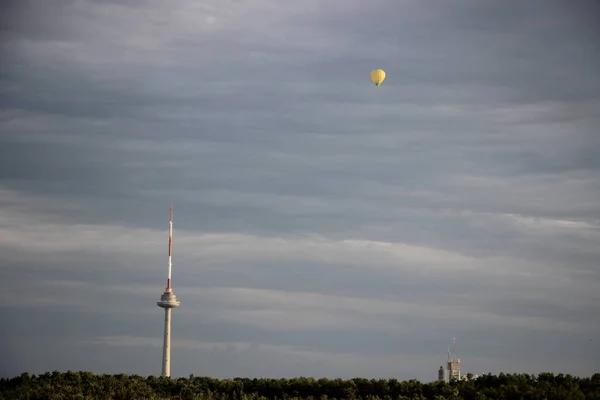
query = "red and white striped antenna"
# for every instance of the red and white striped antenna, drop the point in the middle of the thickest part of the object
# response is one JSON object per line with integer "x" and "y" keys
{"x": 170, "y": 246}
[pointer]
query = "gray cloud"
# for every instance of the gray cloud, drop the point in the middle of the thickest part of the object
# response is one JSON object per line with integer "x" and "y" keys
{"x": 323, "y": 226}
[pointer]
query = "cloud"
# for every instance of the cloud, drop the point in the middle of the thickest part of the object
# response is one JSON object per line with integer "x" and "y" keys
{"x": 293, "y": 310}
{"x": 27, "y": 232}
{"x": 290, "y": 309}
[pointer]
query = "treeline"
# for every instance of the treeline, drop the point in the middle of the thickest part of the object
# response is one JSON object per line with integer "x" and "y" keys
{"x": 88, "y": 386}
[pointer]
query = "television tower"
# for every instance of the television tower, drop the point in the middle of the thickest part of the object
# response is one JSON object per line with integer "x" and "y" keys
{"x": 168, "y": 301}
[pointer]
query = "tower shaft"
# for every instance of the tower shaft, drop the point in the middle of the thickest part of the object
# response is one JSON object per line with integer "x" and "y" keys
{"x": 166, "y": 364}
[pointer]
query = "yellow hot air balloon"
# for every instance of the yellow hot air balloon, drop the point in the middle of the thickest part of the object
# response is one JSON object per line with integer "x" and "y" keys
{"x": 377, "y": 76}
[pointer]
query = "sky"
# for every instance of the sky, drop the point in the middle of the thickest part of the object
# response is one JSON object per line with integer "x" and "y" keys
{"x": 322, "y": 226}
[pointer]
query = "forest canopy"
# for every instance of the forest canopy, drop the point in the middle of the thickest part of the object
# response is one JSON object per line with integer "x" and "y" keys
{"x": 89, "y": 386}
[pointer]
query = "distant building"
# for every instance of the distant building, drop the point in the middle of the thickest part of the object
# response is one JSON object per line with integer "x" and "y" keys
{"x": 168, "y": 301}
{"x": 443, "y": 375}
{"x": 452, "y": 370}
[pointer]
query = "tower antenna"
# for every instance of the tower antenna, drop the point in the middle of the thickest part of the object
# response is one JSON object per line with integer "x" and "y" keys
{"x": 170, "y": 264}
{"x": 453, "y": 349}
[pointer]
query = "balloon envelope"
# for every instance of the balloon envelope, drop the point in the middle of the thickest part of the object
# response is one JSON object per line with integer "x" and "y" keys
{"x": 377, "y": 76}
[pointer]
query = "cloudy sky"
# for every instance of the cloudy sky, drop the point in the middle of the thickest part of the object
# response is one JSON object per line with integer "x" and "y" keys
{"x": 323, "y": 226}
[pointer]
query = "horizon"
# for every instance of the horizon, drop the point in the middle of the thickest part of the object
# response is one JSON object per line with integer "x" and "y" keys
{"x": 322, "y": 226}
{"x": 316, "y": 379}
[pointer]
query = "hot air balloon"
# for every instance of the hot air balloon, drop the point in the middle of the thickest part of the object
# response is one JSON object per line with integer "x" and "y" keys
{"x": 377, "y": 76}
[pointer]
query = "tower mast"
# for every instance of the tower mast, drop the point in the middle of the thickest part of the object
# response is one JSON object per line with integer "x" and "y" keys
{"x": 170, "y": 264}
